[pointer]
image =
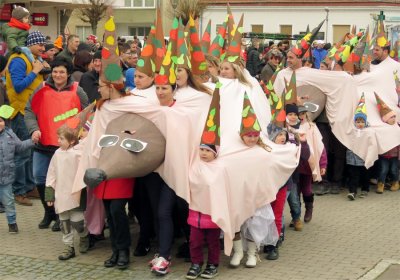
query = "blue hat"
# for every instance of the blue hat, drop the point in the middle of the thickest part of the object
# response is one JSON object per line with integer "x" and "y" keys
{"x": 35, "y": 38}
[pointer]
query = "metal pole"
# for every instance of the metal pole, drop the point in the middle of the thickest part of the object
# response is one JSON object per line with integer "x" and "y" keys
{"x": 327, "y": 24}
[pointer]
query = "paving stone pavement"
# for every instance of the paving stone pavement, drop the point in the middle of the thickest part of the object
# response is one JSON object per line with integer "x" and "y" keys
{"x": 344, "y": 241}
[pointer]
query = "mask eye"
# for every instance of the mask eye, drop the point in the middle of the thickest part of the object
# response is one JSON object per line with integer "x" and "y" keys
{"x": 133, "y": 145}
{"x": 108, "y": 141}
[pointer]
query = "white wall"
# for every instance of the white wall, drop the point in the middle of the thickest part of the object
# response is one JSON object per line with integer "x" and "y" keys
{"x": 53, "y": 23}
{"x": 299, "y": 17}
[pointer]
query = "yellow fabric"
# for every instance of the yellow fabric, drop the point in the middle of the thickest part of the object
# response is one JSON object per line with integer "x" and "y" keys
{"x": 18, "y": 100}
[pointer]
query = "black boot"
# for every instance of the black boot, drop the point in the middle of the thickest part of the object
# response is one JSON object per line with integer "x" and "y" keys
{"x": 56, "y": 226}
{"x": 309, "y": 203}
{"x": 123, "y": 259}
{"x": 272, "y": 252}
{"x": 49, "y": 213}
{"x": 112, "y": 261}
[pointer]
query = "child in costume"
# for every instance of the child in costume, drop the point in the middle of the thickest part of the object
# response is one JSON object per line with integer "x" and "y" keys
{"x": 9, "y": 145}
{"x": 16, "y": 33}
{"x": 357, "y": 172}
{"x": 201, "y": 225}
{"x": 254, "y": 234}
{"x": 60, "y": 176}
{"x": 315, "y": 167}
{"x": 388, "y": 162}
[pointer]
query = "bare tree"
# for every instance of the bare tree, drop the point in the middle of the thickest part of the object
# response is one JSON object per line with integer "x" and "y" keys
{"x": 185, "y": 8}
{"x": 94, "y": 12}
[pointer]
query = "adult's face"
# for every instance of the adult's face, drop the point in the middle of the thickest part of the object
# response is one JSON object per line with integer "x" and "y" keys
{"x": 165, "y": 94}
{"x": 379, "y": 54}
{"x": 97, "y": 64}
{"x": 226, "y": 70}
{"x": 142, "y": 81}
{"x": 130, "y": 58}
{"x": 134, "y": 47}
{"x": 275, "y": 60}
{"x": 212, "y": 69}
{"x": 182, "y": 77}
{"x": 293, "y": 61}
{"x": 60, "y": 76}
{"x": 51, "y": 53}
{"x": 73, "y": 44}
{"x": 37, "y": 49}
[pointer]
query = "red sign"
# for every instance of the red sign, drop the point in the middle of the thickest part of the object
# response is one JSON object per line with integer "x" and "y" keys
{"x": 40, "y": 19}
{"x": 5, "y": 12}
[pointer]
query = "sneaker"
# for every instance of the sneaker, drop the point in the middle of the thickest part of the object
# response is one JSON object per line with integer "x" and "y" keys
{"x": 23, "y": 200}
{"x": 210, "y": 272}
{"x": 13, "y": 228}
{"x": 194, "y": 271}
{"x": 351, "y": 196}
{"x": 335, "y": 189}
{"x": 161, "y": 266}
{"x": 363, "y": 194}
{"x": 321, "y": 189}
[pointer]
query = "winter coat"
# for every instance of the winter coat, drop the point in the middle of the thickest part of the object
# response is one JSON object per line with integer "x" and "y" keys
{"x": 14, "y": 36}
{"x": 253, "y": 60}
{"x": 90, "y": 84}
{"x": 353, "y": 159}
{"x": 199, "y": 220}
{"x": 115, "y": 188}
{"x": 267, "y": 72}
{"x": 393, "y": 153}
{"x": 9, "y": 145}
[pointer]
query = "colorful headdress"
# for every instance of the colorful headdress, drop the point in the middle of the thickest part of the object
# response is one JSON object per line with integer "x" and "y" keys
{"x": 181, "y": 58}
{"x": 381, "y": 39}
{"x": 231, "y": 25}
{"x": 6, "y": 111}
{"x": 217, "y": 46}
{"x": 211, "y": 133}
{"x": 361, "y": 110}
{"x": 206, "y": 39}
{"x": 303, "y": 45}
{"x": 234, "y": 49}
{"x": 385, "y": 112}
{"x": 249, "y": 119}
{"x": 198, "y": 61}
{"x": 145, "y": 63}
{"x": 291, "y": 90}
{"x": 167, "y": 75}
{"x": 359, "y": 55}
{"x": 278, "y": 113}
{"x": 111, "y": 71}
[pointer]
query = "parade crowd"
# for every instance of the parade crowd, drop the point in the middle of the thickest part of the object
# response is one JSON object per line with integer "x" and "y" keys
{"x": 193, "y": 137}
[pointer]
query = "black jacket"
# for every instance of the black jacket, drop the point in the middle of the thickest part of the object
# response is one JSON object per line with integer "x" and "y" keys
{"x": 253, "y": 61}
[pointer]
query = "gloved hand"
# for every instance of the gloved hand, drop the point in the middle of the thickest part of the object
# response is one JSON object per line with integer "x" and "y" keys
{"x": 17, "y": 50}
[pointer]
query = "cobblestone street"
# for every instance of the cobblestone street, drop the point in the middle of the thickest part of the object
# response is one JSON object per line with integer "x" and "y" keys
{"x": 345, "y": 240}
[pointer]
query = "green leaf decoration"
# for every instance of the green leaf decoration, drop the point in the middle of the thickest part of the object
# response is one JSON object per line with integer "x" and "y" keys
{"x": 213, "y": 128}
{"x": 232, "y": 58}
{"x": 180, "y": 59}
{"x": 240, "y": 29}
{"x": 175, "y": 23}
{"x": 174, "y": 59}
{"x": 218, "y": 84}
{"x": 113, "y": 72}
{"x": 221, "y": 41}
{"x": 162, "y": 70}
{"x": 288, "y": 95}
{"x": 256, "y": 126}
{"x": 140, "y": 62}
{"x": 275, "y": 97}
{"x": 157, "y": 43}
{"x": 153, "y": 65}
{"x": 212, "y": 112}
{"x": 245, "y": 111}
{"x": 203, "y": 66}
{"x": 219, "y": 131}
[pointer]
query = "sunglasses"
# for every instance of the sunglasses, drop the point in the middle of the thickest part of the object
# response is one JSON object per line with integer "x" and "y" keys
{"x": 132, "y": 145}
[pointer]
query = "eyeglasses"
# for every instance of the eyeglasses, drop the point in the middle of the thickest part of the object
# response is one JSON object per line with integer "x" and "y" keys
{"x": 132, "y": 145}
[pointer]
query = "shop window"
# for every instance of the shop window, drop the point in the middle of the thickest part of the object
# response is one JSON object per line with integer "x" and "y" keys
{"x": 139, "y": 31}
{"x": 140, "y": 3}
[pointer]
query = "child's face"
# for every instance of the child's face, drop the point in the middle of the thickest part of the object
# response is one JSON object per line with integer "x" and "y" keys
{"x": 281, "y": 138}
{"x": 250, "y": 140}
{"x": 25, "y": 19}
{"x": 392, "y": 120}
{"x": 360, "y": 123}
{"x": 63, "y": 143}
{"x": 84, "y": 133}
{"x": 302, "y": 116}
{"x": 292, "y": 118}
{"x": 2, "y": 124}
{"x": 206, "y": 155}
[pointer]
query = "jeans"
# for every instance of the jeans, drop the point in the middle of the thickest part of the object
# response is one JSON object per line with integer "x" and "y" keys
{"x": 23, "y": 182}
{"x": 294, "y": 202}
{"x": 7, "y": 199}
{"x": 118, "y": 223}
{"x": 388, "y": 165}
{"x": 166, "y": 224}
{"x": 41, "y": 162}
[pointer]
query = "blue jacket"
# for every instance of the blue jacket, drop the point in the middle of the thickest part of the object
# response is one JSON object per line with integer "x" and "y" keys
{"x": 319, "y": 55}
{"x": 9, "y": 145}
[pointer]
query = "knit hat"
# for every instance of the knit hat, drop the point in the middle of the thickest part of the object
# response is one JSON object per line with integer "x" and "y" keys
{"x": 274, "y": 130}
{"x": 111, "y": 71}
{"x": 49, "y": 46}
{"x": 19, "y": 13}
{"x": 216, "y": 48}
{"x": 58, "y": 43}
{"x": 97, "y": 55}
{"x": 6, "y": 111}
{"x": 206, "y": 39}
{"x": 291, "y": 108}
{"x": 199, "y": 64}
{"x": 384, "y": 110}
{"x": 92, "y": 38}
{"x": 35, "y": 38}
{"x": 3, "y": 62}
{"x": 249, "y": 119}
{"x": 301, "y": 46}
{"x": 381, "y": 39}
{"x": 361, "y": 110}
{"x": 234, "y": 49}
{"x": 211, "y": 136}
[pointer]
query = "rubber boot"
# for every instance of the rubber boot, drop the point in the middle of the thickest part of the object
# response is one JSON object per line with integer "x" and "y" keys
{"x": 237, "y": 253}
{"x": 395, "y": 186}
{"x": 380, "y": 187}
{"x": 252, "y": 255}
{"x": 49, "y": 213}
{"x": 309, "y": 204}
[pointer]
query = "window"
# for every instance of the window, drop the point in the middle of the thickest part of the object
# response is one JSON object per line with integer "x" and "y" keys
{"x": 140, "y": 3}
{"x": 139, "y": 31}
{"x": 286, "y": 29}
{"x": 256, "y": 28}
{"x": 339, "y": 31}
{"x": 83, "y": 32}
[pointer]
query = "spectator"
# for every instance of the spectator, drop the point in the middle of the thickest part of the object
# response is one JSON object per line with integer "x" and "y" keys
{"x": 90, "y": 80}
{"x": 253, "y": 58}
{"x": 72, "y": 47}
{"x": 82, "y": 62}
{"x": 274, "y": 58}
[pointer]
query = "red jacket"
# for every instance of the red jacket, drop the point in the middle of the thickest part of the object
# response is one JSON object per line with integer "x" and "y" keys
{"x": 115, "y": 188}
{"x": 199, "y": 220}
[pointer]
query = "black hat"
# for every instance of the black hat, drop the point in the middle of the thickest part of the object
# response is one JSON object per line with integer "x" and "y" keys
{"x": 291, "y": 108}
{"x": 49, "y": 46}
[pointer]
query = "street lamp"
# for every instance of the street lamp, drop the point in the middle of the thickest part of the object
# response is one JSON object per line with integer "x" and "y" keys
{"x": 327, "y": 25}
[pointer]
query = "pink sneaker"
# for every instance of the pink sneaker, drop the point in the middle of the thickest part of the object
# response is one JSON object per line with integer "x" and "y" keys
{"x": 160, "y": 266}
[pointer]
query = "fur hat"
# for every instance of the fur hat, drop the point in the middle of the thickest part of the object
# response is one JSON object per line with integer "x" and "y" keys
{"x": 19, "y": 13}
